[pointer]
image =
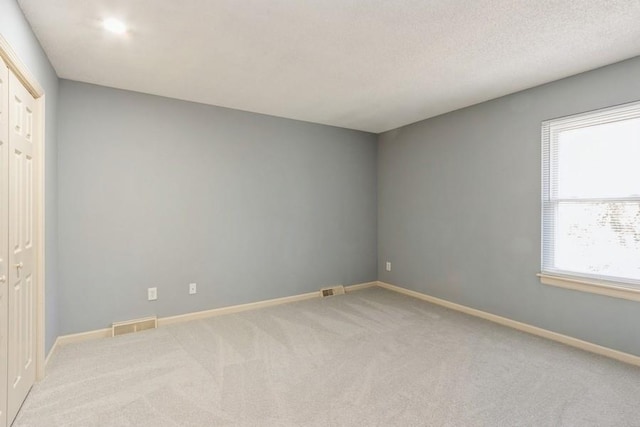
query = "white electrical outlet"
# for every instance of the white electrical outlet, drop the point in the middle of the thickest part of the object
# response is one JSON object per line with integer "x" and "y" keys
{"x": 193, "y": 288}
{"x": 388, "y": 266}
{"x": 152, "y": 294}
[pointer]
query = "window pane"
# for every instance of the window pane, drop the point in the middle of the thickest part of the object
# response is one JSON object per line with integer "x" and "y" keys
{"x": 599, "y": 161}
{"x": 598, "y": 239}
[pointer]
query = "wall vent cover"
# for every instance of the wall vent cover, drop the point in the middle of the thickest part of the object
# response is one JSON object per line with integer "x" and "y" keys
{"x": 334, "y": 290}
{"x": 136, "y": 325}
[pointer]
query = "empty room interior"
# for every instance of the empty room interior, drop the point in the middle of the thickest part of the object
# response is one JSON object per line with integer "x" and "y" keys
{"x": 319, "y": 213}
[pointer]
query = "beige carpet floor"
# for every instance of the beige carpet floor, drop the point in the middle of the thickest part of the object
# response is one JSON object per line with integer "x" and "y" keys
{"x": 368, "y": 358}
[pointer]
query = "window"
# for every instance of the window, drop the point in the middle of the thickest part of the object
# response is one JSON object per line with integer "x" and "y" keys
{"x": 591, "y": 198}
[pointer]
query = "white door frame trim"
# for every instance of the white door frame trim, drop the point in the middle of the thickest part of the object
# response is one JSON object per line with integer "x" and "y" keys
{"x": 31, "y": 84}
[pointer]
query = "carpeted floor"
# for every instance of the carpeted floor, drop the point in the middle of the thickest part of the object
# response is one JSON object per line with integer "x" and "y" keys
{"x": 368, "y": 358}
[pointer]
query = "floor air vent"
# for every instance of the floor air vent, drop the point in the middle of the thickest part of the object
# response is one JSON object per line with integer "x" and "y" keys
{"x": 334, "y": 290}
{"x": 136, "y": 325}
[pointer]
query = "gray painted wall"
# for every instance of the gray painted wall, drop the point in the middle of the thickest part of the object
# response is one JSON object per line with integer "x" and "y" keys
{"x": 459, "y": 208}
{"x": 160, "y": 192}
{"x": 15, "y": 29}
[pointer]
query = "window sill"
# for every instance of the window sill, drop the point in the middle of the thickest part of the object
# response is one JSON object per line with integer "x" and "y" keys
{"x": 591, "y": 286}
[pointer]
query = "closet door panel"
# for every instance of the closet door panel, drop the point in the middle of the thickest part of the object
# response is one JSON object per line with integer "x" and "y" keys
{"x": 21, "y": 265}
{"x": 4, "y": 242}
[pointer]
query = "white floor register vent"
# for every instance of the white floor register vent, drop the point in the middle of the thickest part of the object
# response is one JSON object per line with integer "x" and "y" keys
{"x": 334, "y": 290}
{"x": 136, "y": 325}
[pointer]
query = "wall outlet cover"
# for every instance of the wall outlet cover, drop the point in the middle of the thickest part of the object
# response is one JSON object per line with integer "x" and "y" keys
{"x": 193, "y": 288}
{"x": 152, "y": 294}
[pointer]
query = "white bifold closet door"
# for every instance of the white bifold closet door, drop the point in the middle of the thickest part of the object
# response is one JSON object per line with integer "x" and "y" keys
{"x": 17, "y": 251}
{"x": 4, "y": 239}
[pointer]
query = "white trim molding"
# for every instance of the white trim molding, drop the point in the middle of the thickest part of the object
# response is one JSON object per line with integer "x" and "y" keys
{"x": 51, "y": 352}
{"x": 73, "y": 338}
{"x": 253, "y": 305}
{"x": 81, "y": 336}
{"x": 360, "y": 286}
{"x": 19, "y": 68}
{"x": 591, "y": 286}
{"x": 163, "y": 321}
{"x": 534, "y": 330}
{"x": 524, "y": 327}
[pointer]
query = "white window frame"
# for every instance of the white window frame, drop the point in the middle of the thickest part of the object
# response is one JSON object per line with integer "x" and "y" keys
{"x": 566, "y": 279}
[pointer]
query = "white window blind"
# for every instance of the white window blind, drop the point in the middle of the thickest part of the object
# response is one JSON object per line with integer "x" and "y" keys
{"x": 591, "y": 195}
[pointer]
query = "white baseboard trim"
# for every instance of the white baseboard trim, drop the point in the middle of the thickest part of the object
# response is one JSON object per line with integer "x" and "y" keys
{"x": 83, "y": 336}
{"x": 73, "y": 338}
{"x": 524, "y": 327}
{"x": 360, "y": 286}
{"x": 53, "y": 349}
{"x": 163, "y": 321}
{"x": 252, "y": 305}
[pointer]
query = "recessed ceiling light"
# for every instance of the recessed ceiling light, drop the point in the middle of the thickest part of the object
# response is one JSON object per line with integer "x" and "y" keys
{"x": 114, "y": 25}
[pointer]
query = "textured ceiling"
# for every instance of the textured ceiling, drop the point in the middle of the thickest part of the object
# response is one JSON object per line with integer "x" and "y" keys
{"x": 364, "y": 64}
